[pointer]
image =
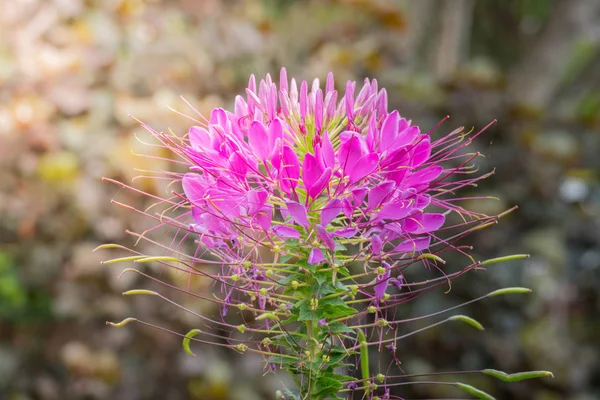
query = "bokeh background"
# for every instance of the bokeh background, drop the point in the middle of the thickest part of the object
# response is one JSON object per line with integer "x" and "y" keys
{"x": 72, "y": 70}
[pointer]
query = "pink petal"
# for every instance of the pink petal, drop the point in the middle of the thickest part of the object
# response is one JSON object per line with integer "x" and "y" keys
{"x": 238, "y": 165}
{"x": 379, "y": 194}
{"x": 194, "y": 189}
{"x": 325, "y": 237}
{"x": 417, "y": 244}
{"x": 395, "y": 210}
{"x": 358, "y": 196}
{"x": 298, "y": 213}
{"x": 351, "y": 150}
{"x": 389, "y": 130}
{"x": 363, "y": 167}
{"x": 424, "y": 223}
{"x": 256, "y": 200}
{"x": 258, "y": 140}
{"x": 382, "y": 281}
{"x": 275, "y": 132}
{"x": 346, "y": 232}
{"x": 199, "y": 138}
{"x": 315, "y": 190}
{"x": 376, "y": 244}
{"x": 286, "y": 232}
{"x": 330, "y": 211}
{"x": 290, "y": 170}
{"x": 423, "y": 176}
{"x": 421, "y": 152}
{"x": 310, "y": 170}
{"x": 316, "y": 256}
{"x": 406, "y": 136}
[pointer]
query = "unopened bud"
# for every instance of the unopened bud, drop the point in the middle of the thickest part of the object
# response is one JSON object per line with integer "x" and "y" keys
{"x": 241, "y": 347}
{"x": 382, "y": 323}
{"x": 372, "y": 309}
{"x": 380, "y": 377}
{"x": 295, "y": 285}
{"x": 241, "y": 328}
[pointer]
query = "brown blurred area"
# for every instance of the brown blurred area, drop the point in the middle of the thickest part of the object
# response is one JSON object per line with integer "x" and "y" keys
{"x": 71, "y": 71}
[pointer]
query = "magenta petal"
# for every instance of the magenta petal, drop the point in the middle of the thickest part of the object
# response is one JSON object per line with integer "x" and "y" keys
{"x": 358, "y": 196}
{"x": 286, "y": 232}
{"x": 424, "y": 223}
{"x": 351, "y": 150}
{"x": 330, "y": 211}
{"x": 258, "y": 141}
{"x": 327, "y": 151}
{"x": 406, "y": 136}
{"x": 346, "y": 232}
{"x": 347, "y": 208}
{"x": 194, "y": 188}
{"x": 256, "y": 199}
{"x": 275, "y": 132}
{"x": 311, "y": 171}
{"x": 238, "y": 165}
{"x": 417, "y": 244}
{"x": 363, "y": 167}
{"x": 376, "y": 244}
{"x": 379, "y": 194}
{"x": 316, "y": 256}
{"x": 382, "y": 282}
{"x": 389, "y": 130}
{"x": 423, "y": 176}
{"x": 298, "y": 213}
{"x": 325, "y": 237}
{"x": 315, "y": 190}
{"x": 395, "y": 210}
{"x": 264, "y": 218}
{"x": 421, "y": 152}
{"x": 289, "y": 170}
{"x": 199, "y": 138}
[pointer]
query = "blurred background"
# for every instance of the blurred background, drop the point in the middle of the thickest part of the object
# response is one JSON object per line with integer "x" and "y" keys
{"x": 72, "y": 70}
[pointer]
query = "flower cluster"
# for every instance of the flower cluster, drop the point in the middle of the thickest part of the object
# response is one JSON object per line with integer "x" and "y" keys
{"x": 314, "y": 205}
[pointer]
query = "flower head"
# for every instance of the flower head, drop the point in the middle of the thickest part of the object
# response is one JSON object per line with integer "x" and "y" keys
{"x": 313, "y": 205}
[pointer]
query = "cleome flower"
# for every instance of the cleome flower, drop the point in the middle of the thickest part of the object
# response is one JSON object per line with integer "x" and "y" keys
{"x": 314, "y": 205}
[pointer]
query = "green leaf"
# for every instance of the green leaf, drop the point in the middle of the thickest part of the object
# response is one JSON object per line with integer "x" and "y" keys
{"x": 467, "y": 320}
{"x": 186, "y": 341}
{"x": 519, "y": 376}
{"x": 326, "y": 387}
{"x": 305, "y": 311}
{"x": 338, "y": 327}
{"x": 509, "y": 290}
{"x": 480, "y": 394}
{"x": 334, "y": 308}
